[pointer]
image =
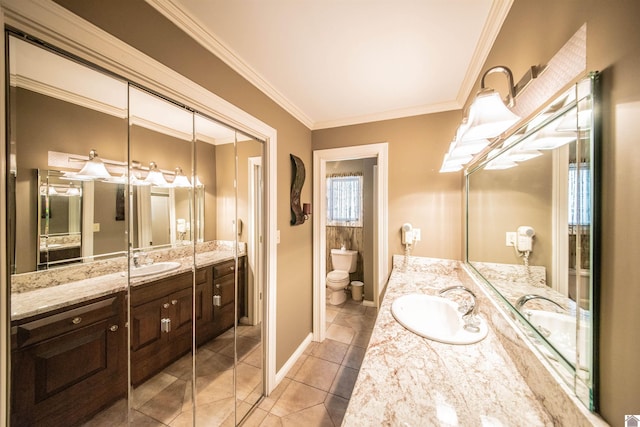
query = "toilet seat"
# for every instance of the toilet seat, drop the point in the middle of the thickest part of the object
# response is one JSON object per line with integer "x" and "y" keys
{"x": 337, "y": 281}
{"x": 337, "y": 276}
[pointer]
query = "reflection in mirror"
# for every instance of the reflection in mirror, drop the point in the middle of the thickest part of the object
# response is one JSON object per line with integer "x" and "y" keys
{"x": 248, "y": 230}
{"x": 60, "y": 218}
{"x": 530, "y": 229}
{"x": 162, "y": 324}
{"x": 68, "y": 335}
{"x": 153, "y": 194}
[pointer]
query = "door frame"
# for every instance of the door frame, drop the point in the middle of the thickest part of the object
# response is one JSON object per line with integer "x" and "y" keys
{"x": 381, "y": 213}
{"x": 254, "y": 241}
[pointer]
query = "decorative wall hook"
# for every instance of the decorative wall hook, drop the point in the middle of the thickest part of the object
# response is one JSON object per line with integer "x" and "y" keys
{"x": 297, "y": 181}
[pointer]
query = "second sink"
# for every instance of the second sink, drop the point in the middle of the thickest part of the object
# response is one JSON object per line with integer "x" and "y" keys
{"x": 435, "y": 318}
{"x": 157, "y": 268}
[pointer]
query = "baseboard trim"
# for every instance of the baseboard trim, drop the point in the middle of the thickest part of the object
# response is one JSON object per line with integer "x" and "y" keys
{"x": 368, "y": 303}
{"x": 282, "y": 373}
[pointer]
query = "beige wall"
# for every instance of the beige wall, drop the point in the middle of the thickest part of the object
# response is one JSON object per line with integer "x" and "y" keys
{"x": 418, "y": 193}
{"x": 139, "y": 25}
{"x": 533, "y": 31}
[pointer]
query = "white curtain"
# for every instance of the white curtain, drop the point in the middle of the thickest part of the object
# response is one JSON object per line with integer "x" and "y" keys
{"x": 344, "y": 200}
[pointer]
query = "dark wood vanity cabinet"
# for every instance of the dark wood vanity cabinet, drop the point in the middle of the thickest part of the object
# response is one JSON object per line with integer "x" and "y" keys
{"x": 161, "y": 324}
{"x": 161, "y": 315}
{"x": 69, "y": 364}
{"x": 215, "y": 298}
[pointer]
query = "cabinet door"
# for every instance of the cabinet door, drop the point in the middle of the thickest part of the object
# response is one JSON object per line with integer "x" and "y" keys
{"x": 225, "y": 288}
{"x": 180, "y": 313}
{"x": 66, "y": 379}
{"x": 146, "y": 320}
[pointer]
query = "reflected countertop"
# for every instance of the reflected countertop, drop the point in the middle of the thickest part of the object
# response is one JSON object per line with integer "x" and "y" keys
{"x": 409, "y": 380}
{"x": 42, "y": 300}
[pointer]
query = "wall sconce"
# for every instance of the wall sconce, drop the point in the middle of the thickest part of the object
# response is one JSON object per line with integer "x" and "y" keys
{"x": 93, "y": 168}
{"x": 306, "y": 210}
{"x": 489, "y": 116}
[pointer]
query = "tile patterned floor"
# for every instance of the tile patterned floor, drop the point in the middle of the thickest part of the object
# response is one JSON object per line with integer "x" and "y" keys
{"x": 165, "y": 399}
{"x": 315, "y": 392}
{"x": 317, "y": 389}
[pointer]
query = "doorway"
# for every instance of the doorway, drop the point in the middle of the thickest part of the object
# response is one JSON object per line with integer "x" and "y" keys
{"x": 380, "y": 271}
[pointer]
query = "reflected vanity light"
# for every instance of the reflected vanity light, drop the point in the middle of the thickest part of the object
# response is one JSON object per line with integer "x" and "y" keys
{"x": 93, "y": 168}
{"x": 155, "y": 177}
{"x": 180, "y": 180}
{"x": 499, "y": 163}
{"x": 48, "y": 190}
{"x": 72, "y": 190}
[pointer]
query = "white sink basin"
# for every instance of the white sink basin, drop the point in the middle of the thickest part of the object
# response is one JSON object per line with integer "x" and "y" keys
{"x": 157, "y": 268}
{"x": 560, "y": 330}
{"x": 436, "y": 318}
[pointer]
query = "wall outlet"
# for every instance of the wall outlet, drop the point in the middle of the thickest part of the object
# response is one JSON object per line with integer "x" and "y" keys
{"x": 96, "y": 227}
{"x": 416, "y": 234}
{"x": 277, "y": 236}
{"x": 511, "y": 238}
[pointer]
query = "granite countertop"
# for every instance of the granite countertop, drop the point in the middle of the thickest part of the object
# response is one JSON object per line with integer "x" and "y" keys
{"x": 407, "y": 380}
{"x": 74, "y": 291}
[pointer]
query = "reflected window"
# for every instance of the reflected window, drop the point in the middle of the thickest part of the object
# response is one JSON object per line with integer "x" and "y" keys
{"x": 344, "y": 200}
{"x": 579, "y": 194}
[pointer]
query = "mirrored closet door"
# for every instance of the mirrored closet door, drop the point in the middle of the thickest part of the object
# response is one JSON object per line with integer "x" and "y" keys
{"x": 136, "y": 258}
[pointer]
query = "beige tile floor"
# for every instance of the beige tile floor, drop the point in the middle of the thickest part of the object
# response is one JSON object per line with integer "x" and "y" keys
{"x": 315, "y": 392}
{"x": 317, "y": 389}
{"x": 166, "y": 398}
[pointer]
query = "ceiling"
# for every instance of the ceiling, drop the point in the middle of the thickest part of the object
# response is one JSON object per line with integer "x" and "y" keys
{"x": 339, "y": 62}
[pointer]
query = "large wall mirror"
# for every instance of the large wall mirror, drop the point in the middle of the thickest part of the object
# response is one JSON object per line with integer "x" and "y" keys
{"x": 532, "y": 231}
{"x": 136, "y": 252}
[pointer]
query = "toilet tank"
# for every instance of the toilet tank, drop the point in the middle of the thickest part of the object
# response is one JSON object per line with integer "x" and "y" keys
{"x": 344, "y": 260}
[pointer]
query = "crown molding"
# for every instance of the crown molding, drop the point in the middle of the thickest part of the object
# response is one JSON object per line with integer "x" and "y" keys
{"x": 196, "y": 30}
{"x": 67, "y": 96}
{"x": 497, "y": 14}
{"x": 390, "y": 115}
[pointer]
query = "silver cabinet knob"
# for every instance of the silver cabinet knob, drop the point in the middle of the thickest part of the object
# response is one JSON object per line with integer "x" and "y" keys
{"x": 165, "y": 305}
{"x": 76, "y": 320}
{"x": 174, "y": 301}
{"x": 113, "y": 328}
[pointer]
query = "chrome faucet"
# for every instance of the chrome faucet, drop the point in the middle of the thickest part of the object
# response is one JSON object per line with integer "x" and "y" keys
{"x": 525, "y": 298}
{"x": 137, "y": 258}
{"x": 471, "y": 323}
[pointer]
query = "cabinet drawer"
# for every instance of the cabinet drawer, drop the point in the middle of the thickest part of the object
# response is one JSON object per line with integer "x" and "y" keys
{"x": 159, "y": 289}
{"x": 223, "y": 269}
{"x": 57, "y": 324}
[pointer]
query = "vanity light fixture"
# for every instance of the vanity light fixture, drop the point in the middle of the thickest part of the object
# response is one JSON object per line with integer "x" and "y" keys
{"x": 489, "y": 117}
{"x": 489, "y": 114}
{"x": 180, "y": 180}
{"x": 198, "y": 183}
{"x": 93, "y": 168}
{"x": 155, "y": 176}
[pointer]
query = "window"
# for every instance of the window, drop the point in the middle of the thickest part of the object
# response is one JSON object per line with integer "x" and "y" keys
{"x": 579, "y": 194}
{"x": 344, "y": 200}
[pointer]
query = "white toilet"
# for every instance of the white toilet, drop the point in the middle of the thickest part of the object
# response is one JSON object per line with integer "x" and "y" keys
{"x": 344, "y": 262}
